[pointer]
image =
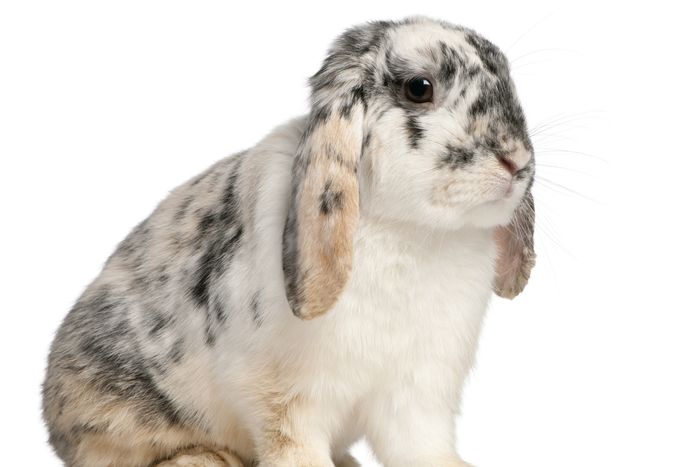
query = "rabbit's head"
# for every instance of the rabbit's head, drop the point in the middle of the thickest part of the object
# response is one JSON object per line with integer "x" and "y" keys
{"x": 412, "y": 122}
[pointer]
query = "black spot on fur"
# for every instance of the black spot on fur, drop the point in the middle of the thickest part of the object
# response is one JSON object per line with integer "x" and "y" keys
{"x": 472, "y": 72}
{"x": 496, "y": 98}
{"x": 414, "y": 130}
{"x": 254, "y": 309}
{"x": 161, "y": 402}
{"x": 491, "y": 143}
{"x": 357, "y": 95}
{"x": 200, "y": 288}
{"x": 332, "y": 154}
{"x": 347, "y": 54}
{"x": 330, "y": 199}
{"x": 346, "y": 57}
{"x": 210, "y": 331}
{"x": 361, "y": 40}
{"x": 398, "y": 70}
{"x": 492, "y": 58}
{"x": 387, "y": 79}
{"x": 450, "y": 62}
{"x": 366, "y": 142}
{"x": 102, "y": 348}
{"x": 177, "y": 351}
{"x": 321, "y": 115}
{"x": 457, "y": 156}
{"x": 219, "y": 311}
{"x": 206, "y": 222}
{"x": 184, "y": 206}
{"x": 159, "y": 322}
{"x": 80, "y": 429}
{"x": 222, "y": 231}
{"x": 216, "y": 317}
{"x": 525, "y": 172}
{"x": 360, "y": 94}
{"x": 499, "y": 102}
{"x": 213, "y": 262}
{"x": 480, "y": 106}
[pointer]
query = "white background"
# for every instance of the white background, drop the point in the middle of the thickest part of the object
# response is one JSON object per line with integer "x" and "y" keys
{"x": 105, "y": 106}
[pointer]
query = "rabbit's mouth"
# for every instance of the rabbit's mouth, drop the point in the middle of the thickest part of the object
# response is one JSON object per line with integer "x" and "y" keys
{"x": 484, "y": 194}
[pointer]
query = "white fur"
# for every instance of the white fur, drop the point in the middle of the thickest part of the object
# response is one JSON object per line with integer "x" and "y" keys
{"x": 388, "y": 362}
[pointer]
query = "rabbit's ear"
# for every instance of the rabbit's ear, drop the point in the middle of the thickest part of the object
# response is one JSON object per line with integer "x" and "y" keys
{"x": 516, "y": 250}
{"x": 324, "y": 207}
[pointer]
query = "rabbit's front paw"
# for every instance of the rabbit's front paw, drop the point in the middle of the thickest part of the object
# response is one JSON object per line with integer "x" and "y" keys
{"x": 202, "y": 458}
{"x": 301, "y": 460}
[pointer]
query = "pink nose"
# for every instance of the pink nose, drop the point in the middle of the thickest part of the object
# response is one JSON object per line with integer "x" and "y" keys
{"x": 509, "y": 164}
{"x": 514, "y": 160}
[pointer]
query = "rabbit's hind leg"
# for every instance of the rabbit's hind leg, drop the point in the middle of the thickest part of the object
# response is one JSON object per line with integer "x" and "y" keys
{"x": 93, "y": 428}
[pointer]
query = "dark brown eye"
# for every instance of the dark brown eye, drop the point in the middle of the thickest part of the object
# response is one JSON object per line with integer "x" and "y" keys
{"x": 418, "y": 90}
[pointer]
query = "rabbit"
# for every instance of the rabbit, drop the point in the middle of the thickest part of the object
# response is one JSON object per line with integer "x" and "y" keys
{"x": 327, "y": 285}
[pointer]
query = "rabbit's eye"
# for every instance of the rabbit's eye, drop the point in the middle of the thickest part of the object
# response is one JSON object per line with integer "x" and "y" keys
{"x": 418, "y": 90}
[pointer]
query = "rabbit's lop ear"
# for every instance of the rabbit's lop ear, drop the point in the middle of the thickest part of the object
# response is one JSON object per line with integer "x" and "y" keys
{"x": 516, "y": 250}
{"x": 324, "y": 206}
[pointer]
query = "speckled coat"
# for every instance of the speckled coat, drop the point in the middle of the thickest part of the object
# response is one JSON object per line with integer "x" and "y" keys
{"x": 325, "y": 285}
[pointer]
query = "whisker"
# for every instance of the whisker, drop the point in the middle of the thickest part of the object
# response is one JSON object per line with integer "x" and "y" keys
{"x": 549, "y": 166}
{"x": 564, "y": 118}
{"x": 547, "y": 226}
{"x": 517, "y": 67}
{"x": 539, "y": 51}
{"x": 569, "y": 151}
{"x": 566, "y": 125}
{"x": 545, "y": 136}
{"x": 528, "y": 31}
{"x": 563, "y": 189}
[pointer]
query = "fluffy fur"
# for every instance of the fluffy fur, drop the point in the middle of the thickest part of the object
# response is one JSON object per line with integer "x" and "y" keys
{"x": 325, "y": 285}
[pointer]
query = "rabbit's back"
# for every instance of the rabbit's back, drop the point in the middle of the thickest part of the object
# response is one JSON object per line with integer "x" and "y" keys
{"x": 133, "y": 359}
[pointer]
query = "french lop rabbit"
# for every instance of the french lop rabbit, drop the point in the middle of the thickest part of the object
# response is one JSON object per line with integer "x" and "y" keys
{"x": 326, "y": 285}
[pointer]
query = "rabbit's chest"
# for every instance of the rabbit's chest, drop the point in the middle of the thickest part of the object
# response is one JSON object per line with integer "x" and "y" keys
{"x": 414, "y": 295}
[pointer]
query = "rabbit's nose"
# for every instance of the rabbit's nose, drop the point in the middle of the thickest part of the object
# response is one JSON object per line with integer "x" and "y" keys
{"x": 514, "y": 161}
{"x": 508, "y": 164}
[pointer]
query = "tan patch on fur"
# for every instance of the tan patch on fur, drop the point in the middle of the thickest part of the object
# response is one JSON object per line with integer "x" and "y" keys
{"x": 230, "y": 458}
{"x": 325, "y": 241}
{"x": 514, "y": 266}
{"x": 116, "y": 435}
{"x": 479, "y": 126}
{"x": 202, "y": 457}
{"x": 288, "y": 420}
{"x": 279, "y": 436}
{"x": 274, "y": 409}
{"x": 516, "y": 251}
